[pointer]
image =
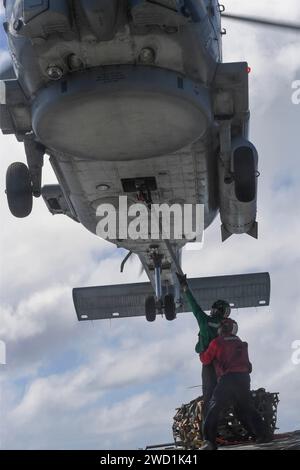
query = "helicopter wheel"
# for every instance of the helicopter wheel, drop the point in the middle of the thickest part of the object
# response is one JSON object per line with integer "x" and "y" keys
{"x": 19, "y": 190}
{"x": 150, "y": 309}
{"x": 170, "y": 307}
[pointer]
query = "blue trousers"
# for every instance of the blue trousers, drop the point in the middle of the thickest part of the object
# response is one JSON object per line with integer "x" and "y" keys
{"x": 209, "y": 383}
{"x": 233, "y": 389}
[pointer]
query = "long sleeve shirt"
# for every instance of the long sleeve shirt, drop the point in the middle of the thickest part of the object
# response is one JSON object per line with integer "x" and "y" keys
{"x": 208, "y": 325}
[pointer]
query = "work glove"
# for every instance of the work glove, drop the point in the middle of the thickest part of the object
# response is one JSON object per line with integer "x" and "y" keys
{"x": 182, "y": 280}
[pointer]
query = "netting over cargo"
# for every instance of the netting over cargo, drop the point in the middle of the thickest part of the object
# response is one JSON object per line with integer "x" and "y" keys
{"x": 187, "y": 426}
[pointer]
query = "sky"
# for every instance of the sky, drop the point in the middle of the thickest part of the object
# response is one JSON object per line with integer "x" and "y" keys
{"x": 116, "y": 384}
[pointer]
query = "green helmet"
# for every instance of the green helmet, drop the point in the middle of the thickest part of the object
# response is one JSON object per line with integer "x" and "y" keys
{"x": 221, "y": 307}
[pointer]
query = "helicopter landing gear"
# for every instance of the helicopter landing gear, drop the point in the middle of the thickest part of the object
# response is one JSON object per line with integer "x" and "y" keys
{"x": 150, "y": 308}
{"x": 159, "y": 304}
{"x": 35, "y": 160}
{"x": 170, "y": 307}
{"x": 154, "y": 307}
{"x": 23, "y": 182}
{"x": 19, "y": 190}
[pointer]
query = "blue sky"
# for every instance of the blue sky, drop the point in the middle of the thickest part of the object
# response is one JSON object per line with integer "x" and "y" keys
{"x": 117, "y": 384}
{"x": 3, "y": 41}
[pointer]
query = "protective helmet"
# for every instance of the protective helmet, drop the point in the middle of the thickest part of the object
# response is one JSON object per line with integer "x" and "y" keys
{"x": 228, "y": 327}
{"x": 221, "y": 307}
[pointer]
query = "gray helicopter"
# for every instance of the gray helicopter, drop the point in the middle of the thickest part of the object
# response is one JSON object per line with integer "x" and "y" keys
{"x": 131, "y": 98}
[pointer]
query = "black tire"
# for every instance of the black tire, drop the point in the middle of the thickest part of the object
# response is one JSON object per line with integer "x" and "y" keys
{"x": 19, "y": 190}
{"x": 170, "y": 307}
{"x": 150, "y": 309}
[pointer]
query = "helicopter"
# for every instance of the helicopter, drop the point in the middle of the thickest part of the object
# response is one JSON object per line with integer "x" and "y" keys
{"x": 132, "y": 98}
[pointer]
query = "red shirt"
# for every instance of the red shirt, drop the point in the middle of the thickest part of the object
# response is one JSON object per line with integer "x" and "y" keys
{"x": 228, "y": 354}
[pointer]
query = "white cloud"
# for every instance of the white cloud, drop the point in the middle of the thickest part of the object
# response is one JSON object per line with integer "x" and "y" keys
{"x": 25, "y": 321}
{"x": 84, "y": 395}
{"x": 106, "y": 371}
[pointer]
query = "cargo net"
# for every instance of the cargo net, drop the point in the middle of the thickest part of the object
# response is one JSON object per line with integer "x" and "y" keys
{"x": 187, "y": 427}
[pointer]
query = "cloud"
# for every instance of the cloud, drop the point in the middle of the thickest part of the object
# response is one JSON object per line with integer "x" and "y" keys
{"x": 85, "y": 395}
{"x": 107, "y": 427}
{"x": 134, "y": 365}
